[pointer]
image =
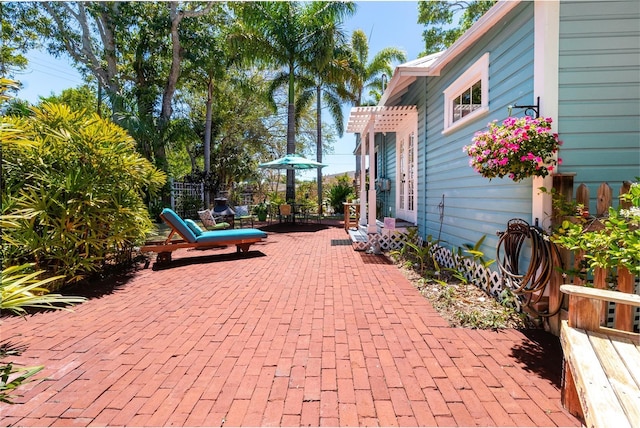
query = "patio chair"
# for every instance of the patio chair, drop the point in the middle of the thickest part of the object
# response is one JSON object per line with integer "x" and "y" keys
{"x": 285, "y": 212}
{"x": 243, "y": 215}
{"x": 194, "y": 237}
{"x": 210, "y": 223}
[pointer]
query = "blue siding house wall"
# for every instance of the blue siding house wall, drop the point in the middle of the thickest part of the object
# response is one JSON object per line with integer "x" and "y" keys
{"x": 599, "y": 91}
{"x": 473, "y": 205}
{"x": 581, "y": 58}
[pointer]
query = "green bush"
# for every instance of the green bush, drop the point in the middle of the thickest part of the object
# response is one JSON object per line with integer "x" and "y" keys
{"x": 339, "y": 193}
{"x": 72, "y": 195}
{"x": 612, "y": 241}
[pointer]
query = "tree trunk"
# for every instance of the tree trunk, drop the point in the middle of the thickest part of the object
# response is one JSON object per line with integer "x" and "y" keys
{"x": 207, "y": 138}
{"x": 291, "y": 133}
{"x": 85, "y": 52}
{"x": 319, "y": 144}
{"x": 176, "y": 57}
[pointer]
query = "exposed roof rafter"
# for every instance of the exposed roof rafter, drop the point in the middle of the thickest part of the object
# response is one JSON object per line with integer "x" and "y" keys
{"x": 384, "y": 119}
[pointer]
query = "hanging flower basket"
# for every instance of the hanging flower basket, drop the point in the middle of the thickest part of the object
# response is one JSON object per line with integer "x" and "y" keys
{"x": 518, "y": 148}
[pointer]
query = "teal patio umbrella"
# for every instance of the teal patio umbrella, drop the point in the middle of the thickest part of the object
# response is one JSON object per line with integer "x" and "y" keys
{"x": 291, "y": 162}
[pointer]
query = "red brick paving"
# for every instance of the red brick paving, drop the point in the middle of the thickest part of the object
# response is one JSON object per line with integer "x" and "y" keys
{"x": 303, "y": 334}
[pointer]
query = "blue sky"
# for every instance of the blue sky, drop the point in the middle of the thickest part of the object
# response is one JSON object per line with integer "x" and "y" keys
{"x": 387, "y": 23}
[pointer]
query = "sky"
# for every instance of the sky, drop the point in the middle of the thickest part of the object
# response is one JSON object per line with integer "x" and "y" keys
{"x": 386, "y": 23}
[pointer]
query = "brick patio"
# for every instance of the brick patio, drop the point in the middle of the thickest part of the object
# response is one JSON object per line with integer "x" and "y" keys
{"x": 298, "y": 332}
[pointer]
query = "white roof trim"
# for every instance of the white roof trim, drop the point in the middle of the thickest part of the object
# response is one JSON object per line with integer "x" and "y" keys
{"x": 431, "y": 65}
{"x": 383, "y": 119}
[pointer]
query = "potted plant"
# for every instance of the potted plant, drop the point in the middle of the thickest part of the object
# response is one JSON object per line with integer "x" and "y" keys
{"x": 260, "y": 210}
{"x": 518, "y": 148}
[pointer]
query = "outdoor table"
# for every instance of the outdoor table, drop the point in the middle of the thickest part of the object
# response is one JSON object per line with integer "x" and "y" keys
{"x": 347, "y": 214}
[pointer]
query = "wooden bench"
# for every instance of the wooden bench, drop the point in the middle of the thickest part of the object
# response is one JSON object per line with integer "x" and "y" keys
{"x": 601, "y": 381}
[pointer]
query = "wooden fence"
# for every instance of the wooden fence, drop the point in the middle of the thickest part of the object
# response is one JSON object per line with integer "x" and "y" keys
{"x": 621, "y": 317}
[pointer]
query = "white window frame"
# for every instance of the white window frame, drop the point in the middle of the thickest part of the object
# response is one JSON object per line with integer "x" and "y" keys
{"x": 479, "y": 71}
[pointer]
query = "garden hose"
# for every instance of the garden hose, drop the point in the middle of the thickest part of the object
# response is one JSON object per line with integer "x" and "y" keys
{"x": 530, "y": 285}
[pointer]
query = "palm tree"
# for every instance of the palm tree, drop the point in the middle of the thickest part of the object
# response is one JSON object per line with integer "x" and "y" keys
{"x": 326, "y": 83}
{"x": 368, "y": 75}
{"x": 285, "y": 35}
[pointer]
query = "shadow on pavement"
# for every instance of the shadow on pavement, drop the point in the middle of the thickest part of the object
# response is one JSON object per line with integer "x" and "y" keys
{"x": 186, "y": 261}
{"x": 541, "y": 354}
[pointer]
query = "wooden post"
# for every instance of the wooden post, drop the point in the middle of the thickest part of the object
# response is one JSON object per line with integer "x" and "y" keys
{"x": 584, "y": 313}
{"x": 600, "y": 281}
{"x": 569, "y": 394}
{"x": 582, "y": 196}
{"x": 563, "y": 186}
{"x": 604, "y": 199}
{"x": 624, "y": 189}
{"x": 624, "y": 313}
{"x": 555, "y": 296}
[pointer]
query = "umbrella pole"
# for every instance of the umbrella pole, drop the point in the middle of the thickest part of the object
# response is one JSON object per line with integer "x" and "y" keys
{"x": 291, "y": 182}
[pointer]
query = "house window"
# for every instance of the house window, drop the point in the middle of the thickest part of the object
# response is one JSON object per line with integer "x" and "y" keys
{"x": 467, "y": 98}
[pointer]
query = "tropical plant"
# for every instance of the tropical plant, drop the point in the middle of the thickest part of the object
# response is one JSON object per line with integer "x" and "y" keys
{"x": 326, "y": 82}
{"x": 338, "y": 193}
{"x": 368, "y": 75}
{"x": 261, "y": 211}
{"x": 518, "y": 148}
{"x": 83, "y": 97}
{"x": 72, "y": 198}
{"x": 21, "y": 288}
{"x": 285, "y": 36}
{"x": 12, "y": 377}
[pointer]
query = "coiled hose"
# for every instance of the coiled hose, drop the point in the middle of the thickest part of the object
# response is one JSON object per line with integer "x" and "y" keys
{"x": 530, "y": 285}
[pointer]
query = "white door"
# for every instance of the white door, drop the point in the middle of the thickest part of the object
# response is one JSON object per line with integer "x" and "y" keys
{"x": 407, "y": 175}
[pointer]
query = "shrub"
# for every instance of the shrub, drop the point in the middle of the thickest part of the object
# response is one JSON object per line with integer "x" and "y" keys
{"x": 72, "y": 196}
{"x": 20, "y": 288}
{"x": 608, "y": 242}
{"x": 339, "y": 193}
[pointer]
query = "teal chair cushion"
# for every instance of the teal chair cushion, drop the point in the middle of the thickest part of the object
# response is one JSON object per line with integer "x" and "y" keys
{"x": 194, "y": 227}
{"x": 179, "y": 225}
{"x": 214, "y": 236}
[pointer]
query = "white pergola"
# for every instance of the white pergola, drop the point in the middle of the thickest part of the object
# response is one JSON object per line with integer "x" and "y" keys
{"x": 366, "y": 121}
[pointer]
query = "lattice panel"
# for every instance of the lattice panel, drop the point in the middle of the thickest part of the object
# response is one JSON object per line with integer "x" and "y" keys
{"x": 180, "y": 191}
{"x": 393, "y": 241}
{"x": 486, "y": 279}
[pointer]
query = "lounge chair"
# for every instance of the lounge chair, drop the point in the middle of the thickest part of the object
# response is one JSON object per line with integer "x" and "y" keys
{"x": 194, "y": 237}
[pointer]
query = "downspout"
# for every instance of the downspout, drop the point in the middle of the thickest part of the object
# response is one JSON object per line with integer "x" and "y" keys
{"x": 545, "y": 85}
{"x": 363, "y": 180}
{"x": 372, "y": 227}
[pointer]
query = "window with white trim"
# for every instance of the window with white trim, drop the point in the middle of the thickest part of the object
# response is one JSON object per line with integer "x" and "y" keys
{"x": 467, "y": 98}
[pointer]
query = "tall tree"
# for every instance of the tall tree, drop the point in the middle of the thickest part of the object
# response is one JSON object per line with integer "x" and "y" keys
{"x": 283, "y": 35}
{"x": 129, "y": 47}
{"x": 16, "y": 28}
{"x": 326, "y": 83}
{"x": 438, "y": 16}
{"x": 367, "y": 75}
